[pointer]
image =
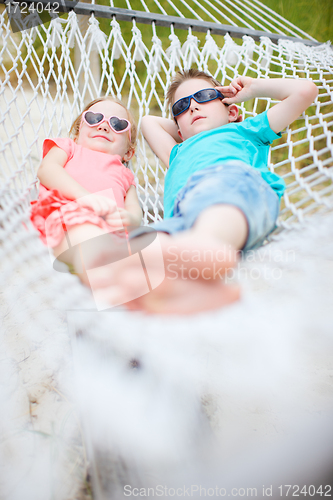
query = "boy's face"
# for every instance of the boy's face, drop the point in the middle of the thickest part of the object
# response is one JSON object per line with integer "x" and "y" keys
{"x": 200, "y": 117}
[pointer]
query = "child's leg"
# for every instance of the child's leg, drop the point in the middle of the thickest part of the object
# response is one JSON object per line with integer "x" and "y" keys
{"x": 225, "y": 223}
{"x": 84, "y": 243}
{"x": 195, "y": 264}
{"x": 207, "y": 232}
{"x": 75, "y": 235}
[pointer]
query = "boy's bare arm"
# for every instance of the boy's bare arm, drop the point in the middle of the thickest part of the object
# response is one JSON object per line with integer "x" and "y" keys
{"x": 295, "y": 96}
{"x": 161, "y": 135}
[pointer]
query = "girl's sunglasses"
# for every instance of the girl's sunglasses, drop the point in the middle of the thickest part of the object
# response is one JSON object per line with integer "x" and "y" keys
{"x": 204, "y": 95}
{"x": 118, "y": 125}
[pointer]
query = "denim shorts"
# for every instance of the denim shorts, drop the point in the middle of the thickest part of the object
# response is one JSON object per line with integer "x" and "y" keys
{"x": 233, "y": 183}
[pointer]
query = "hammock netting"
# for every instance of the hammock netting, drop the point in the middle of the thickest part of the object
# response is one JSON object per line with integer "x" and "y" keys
{"x": 51, "y": 69}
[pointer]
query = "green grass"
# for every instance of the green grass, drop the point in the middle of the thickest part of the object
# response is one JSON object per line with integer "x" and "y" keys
{"x": 315, "y": 17}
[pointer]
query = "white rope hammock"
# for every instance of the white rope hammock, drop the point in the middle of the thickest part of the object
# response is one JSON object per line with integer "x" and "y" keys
{"x": 49, "y": 71}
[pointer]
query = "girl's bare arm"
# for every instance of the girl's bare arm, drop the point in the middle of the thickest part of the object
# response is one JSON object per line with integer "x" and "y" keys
{"x": 130, "y": 215}
{"x": 132, "y": 206}
{"x": 52, "y": 175}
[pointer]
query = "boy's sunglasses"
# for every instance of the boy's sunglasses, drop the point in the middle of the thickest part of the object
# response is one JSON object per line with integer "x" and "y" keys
{"x": 204, "y": 95}
{"x": 118, "y": 125}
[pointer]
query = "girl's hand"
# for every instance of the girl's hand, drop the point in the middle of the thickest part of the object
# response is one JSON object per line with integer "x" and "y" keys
{"x": 239, "y": 90}
{"x": 122, "y": 218}
{"x": 99, "y": 204}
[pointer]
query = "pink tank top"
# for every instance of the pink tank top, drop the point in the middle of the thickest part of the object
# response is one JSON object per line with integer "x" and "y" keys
{"x": 93, "y": 170}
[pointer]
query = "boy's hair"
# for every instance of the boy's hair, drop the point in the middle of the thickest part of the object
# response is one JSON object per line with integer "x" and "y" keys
{"x": 75, "y": 128}
{"x": 188, "y": 74}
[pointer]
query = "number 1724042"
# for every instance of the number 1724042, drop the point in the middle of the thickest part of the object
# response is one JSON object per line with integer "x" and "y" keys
{"x": 31, "y": 7}
{"x": 294, "y": 490}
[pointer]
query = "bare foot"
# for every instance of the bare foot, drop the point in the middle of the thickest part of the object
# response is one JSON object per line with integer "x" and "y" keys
{"x": 168, "y": 275}
{"x": 183, "y": 297}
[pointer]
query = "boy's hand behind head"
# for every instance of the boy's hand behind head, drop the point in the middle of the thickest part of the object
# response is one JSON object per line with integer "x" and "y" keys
{"x": 239, "y": 90}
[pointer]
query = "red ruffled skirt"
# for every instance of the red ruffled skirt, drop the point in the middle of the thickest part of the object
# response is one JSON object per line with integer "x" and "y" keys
{"x": 52, "y": 214}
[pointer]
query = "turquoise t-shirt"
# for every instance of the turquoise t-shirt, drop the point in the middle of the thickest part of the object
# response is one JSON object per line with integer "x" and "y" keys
{"x": 246, "y": 141}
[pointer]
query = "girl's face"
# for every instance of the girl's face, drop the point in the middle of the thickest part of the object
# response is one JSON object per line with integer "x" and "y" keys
{"x": 101, "y": 137}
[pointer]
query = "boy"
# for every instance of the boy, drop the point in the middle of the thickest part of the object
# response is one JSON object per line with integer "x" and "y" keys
{"x": 219, "y": 193}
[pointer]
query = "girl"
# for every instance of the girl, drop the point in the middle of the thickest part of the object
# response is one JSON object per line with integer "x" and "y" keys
{"x": 86, "y": 190}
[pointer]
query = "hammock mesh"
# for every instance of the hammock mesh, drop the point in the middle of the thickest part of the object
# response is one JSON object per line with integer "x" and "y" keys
{"x": 50, "y": 70}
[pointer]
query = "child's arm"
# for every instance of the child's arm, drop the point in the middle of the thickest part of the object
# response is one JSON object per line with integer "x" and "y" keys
{"x": 295, "y": 96}
{"x": 132, "y": 206}
{"x": 131, "y": 215}
{"x": 161, "y": 135}
{"x": 52, "y": 175}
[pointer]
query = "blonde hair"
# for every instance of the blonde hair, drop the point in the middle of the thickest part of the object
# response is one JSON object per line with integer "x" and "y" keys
{"x": 75, "y": 127}
{"x": 188, "y": 74}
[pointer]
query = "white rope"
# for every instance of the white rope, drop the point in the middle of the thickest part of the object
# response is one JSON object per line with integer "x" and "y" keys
{"x": 274, "y": 16}
{"x": 178, "y": 12}
{"x": 200, "y": 5}
{"x": 44, "y": 100}
{"x": 255, "y": 24}
{"x": 188, "y": 7}
{"x": 47, "y": 77}
{"x": 222, "y": 5}
{"x": 96, "y": 36}
{"x": 159, "y": 7}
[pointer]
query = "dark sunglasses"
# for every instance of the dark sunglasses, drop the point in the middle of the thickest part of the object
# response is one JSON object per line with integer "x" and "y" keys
{"x": 201, "y": 96}
{"x": 118, "y": 125}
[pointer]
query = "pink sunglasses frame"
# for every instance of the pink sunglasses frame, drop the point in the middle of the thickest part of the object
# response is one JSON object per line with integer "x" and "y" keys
{"x": 128, "y": 128}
